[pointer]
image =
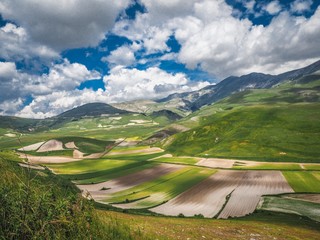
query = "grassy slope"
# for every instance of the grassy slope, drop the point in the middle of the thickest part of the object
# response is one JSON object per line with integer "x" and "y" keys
{"x": 39, "y": 205}
{"x": 258, "y": 226}
{"x": 301, "y": 181}
{"x": 280, "y": 124}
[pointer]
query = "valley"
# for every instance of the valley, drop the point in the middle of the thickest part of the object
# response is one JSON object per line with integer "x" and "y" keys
{"x": 250, "y": 157}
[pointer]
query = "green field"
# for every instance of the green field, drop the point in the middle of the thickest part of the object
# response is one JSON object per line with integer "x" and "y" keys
{"x": 87, "y": 166}
{"x": 182, "y": 160}
{"x": 271, "y": 166}
{"x": 164, "y": 188}
{"x": 290, "y": 205}
{"x": 303, "y": 181}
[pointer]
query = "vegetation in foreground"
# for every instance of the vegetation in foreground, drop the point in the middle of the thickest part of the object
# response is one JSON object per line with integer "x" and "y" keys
{"x": 39, "y": 205}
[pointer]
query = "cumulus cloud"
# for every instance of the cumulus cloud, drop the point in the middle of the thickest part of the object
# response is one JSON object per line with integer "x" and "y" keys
{"x": 15, "y": 45}
{"x": 122, "y": 84}
{"x": 123, "y": 56}
{"x": 300, "y": 6}
{"x": 64, "y": 76}
{"x": 64, "y": 24}
{"x": 129, "y": 84}
{"x": 273, "y": 7}
{"x": 212, "y": 38}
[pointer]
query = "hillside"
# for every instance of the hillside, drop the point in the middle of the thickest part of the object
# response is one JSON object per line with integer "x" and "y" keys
{"x": 213, "y": 93}
{"x": 278, "y": 124}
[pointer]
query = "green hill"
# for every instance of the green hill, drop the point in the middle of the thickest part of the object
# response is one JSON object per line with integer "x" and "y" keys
{"x": 278, "y": 124}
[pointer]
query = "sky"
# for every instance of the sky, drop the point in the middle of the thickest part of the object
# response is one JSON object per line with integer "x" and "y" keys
{"x": 59, "y": 54}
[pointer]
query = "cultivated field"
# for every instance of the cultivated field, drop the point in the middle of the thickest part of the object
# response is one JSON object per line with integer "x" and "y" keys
{"x": 241, "y": 189}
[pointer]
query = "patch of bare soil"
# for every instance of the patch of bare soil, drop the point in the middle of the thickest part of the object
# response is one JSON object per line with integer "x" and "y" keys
{"x": 51, "y": 145}
{"x": 245, "y": 198}
{"x": 216, "y": 163}
{"x": 47, "y": 159}
{"x": 244, "y": 189}
{"x": 31, "y": 147}
{"x": 71, "y": 145}
{"x": 206, "y": 198}
{"x": 100, "y": 191}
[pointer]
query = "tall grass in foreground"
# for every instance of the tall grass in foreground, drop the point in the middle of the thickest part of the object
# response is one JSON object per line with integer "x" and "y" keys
{"x": 40, "y": 205}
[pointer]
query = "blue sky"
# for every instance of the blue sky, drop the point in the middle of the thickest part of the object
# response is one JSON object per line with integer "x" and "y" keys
{"x": 56, "y": 55}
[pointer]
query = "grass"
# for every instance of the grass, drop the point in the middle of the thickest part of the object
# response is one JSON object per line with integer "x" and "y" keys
{"x": 303, "y": 181}
{"x": 87, "y": 145}
{"x": 106, "y": 174}
{"x": 65, "y": 153}
{"x": 275, "y": 133}
{"x": 164, "y": 188}
{"x": 182, "y": 160}
{"x": 103, "y": 176}
{"x": 87, "y": 166}
{"x": 135, "y": 157}
{"x": 270, "y": 166}
{"x": 289, "y": 205}
{"x": 257, "y": 226}
{"x": 40, "y": 205}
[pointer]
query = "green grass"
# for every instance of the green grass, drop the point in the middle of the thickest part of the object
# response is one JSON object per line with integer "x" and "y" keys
{"x": 66, "y": 153}
{"x": 279, "y": 133}
{"x": 134, "y": 157}
{"x": 164, "y": 188}
{"x": 270, "y": 166}
{"x": 303, "y": 181}
{"x": 315, "y": 167}
{"x": 102, "y": 176}
{"x": 87, "y": 145}
{"x": 87, "y": 166}
{"x": 289, "y": 205}
{"x": 182, "y": 160}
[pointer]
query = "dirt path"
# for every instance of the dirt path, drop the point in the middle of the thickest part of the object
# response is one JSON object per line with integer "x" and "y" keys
{"x": 36, "y": 167}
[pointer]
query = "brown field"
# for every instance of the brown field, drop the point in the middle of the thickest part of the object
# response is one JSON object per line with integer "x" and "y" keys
{"x": 70, "y": 145}
{"x": 206, "y": 198}
{"x": 216, "y": 163}
{"x": 209, "y": 196}
{"x": 36, "y": 167}
{"x": 51, "y": 145}
{"x": 245, "y": 198}
{"x": 31, "y": 147}
{"x": 47, "y": 159}
{"x": 127, "y": 181}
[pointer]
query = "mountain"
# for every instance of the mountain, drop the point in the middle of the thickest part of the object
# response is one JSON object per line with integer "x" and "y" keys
{"x": 212, "y": 93}
{"x": 92, "y": 110}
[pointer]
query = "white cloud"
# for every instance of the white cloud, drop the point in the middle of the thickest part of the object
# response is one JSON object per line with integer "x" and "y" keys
{"x": 15, "y": 45}
{"x": 300, "y": 6}
{"x": 10, "y": 107}
{"x": 123, "y": 55}
{"x": 223, "y": 45}
{"x": 63, "y": 24}
{"x": 61, "y": 77}
{"x": 121, "y": 85}
{"x": 273, "y": 7}
{"x": 129, "y": 84}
